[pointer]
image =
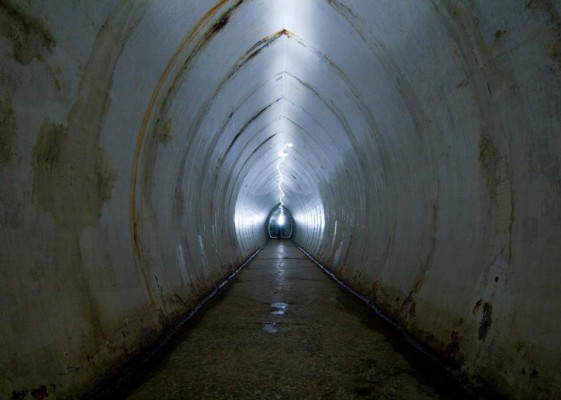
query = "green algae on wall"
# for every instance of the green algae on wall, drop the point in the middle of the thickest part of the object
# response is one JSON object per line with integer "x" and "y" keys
{"x": 7, "y": 130}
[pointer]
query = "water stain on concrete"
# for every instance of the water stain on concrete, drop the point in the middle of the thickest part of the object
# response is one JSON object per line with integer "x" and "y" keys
{"x": 553, "y": 46}
{"x": 29, "y": 37}
{"x": 73, "y": 178}
{"x": 57, "y": 176}
{"x": 486, "y": 321}
{"x": 46, "y": 161}
{"x": 498, "y": 176}
{"x": 106, "y": 175}
{"x": 8, "y": 130}
{"x": 499, "y": 34}
{"x": 486, "y": 309}
{"x": 165, "y": 134}
{"x": 409, "y": 306}
{"x": 489, "y": 156}
{"x": 48, "y": 148}
{"x": 477, "y": 54}
{"x": 530, "y": 229}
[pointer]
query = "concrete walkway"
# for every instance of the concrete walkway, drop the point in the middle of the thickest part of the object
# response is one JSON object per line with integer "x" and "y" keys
{"x": 283, "y": 330}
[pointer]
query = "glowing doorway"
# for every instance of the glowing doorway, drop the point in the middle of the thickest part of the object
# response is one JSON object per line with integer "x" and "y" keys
{"x": 280, "y": 224}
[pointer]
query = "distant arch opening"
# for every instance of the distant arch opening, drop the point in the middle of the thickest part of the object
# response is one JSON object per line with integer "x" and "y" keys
{"x": 280, "y": 224}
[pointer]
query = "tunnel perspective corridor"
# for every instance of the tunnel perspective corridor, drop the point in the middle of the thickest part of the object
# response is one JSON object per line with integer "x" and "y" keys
{"x": 144, "y": 144}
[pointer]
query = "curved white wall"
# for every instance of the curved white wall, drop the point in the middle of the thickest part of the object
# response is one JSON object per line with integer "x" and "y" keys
{"x": 138, "y": 163}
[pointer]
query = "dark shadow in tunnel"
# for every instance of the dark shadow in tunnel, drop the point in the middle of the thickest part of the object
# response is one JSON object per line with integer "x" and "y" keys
{"x": 280, "y": 224}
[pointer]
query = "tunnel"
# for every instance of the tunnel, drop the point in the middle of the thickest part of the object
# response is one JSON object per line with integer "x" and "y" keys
{"x": 144, "y": 144}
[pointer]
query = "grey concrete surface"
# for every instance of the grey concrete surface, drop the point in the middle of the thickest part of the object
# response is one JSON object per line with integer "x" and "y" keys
{"x": 284, "y": 330}
{"x": 139, "y": 146}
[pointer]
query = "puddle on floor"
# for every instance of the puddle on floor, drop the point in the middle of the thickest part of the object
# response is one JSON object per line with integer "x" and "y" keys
{"x": 270, "y": 327}
{"x": 280, "y": 308}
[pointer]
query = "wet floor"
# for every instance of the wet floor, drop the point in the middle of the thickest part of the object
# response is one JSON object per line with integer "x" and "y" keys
{"x": 283, "y": 330}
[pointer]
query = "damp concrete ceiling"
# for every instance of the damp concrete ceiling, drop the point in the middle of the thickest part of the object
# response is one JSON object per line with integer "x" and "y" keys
{"x": 333, "y": 80}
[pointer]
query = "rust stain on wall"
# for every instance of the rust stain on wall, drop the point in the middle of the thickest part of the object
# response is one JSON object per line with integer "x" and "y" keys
{"x": 160, "y": 85}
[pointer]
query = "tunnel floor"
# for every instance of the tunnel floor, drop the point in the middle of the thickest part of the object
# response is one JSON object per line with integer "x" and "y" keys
{"x": 284, "y": 330}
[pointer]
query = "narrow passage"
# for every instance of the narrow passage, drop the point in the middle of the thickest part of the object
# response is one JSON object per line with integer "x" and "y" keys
{"x": 284, "y": 330}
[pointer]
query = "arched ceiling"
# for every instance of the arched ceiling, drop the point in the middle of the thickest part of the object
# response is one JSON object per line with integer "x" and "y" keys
{"x": 253, "y": 76}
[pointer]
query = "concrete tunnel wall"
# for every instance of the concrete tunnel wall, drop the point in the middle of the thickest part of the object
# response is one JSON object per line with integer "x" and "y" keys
{"x": 138, "y": 162}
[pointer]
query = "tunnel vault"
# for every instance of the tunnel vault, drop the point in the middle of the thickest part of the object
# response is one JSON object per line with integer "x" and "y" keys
{"x": 141, "y": 149}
